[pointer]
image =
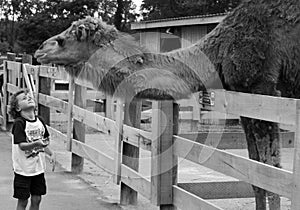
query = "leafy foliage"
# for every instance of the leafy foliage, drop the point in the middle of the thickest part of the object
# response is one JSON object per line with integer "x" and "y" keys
{"x": 27, "y": 23}
{"x": 157, "y": 9}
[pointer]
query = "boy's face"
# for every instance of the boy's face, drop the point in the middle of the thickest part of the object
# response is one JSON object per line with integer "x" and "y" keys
{"x": 25, "y": 102}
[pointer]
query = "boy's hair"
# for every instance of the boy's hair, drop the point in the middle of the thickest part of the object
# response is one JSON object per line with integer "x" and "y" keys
{"x": 14, "y": 103}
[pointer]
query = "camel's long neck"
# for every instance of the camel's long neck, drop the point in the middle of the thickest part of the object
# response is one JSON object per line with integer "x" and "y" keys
{"x": 176, "y": 73}
{"x": 196, "y": 65}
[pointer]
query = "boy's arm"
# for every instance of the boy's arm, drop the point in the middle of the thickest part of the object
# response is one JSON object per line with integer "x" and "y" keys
{"x": 31, "y": 145}
{"x": 48, "y": 151}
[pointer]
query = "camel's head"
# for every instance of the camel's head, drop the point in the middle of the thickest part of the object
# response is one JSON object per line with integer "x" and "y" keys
{"x": 77, "y": 43}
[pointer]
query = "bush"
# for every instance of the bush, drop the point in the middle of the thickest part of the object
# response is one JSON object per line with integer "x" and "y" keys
{"x": 4, "y": 47}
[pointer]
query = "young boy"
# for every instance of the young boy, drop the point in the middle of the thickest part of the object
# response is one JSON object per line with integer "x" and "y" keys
{"x": 30, "y": 139}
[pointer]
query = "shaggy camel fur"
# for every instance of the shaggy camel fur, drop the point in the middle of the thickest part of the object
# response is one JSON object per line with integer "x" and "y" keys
{"x": 255, "y": 49}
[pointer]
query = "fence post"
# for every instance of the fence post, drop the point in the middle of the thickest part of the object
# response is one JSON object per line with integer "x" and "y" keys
{"x": 118, "y": 140}
{"x": 109, "y": 106}
{"x": 70, "y": 113}
{"x": 11, "y": 56}
{"x": 132, "y": 117}
{"x": 5, "y": 96}
{"x": 79, "y": 128}
{"x": 296, "y": 169}
{"x": 163, "y": 162}
{"x": 44, "y": 88}
{"x": 27, "y": 58}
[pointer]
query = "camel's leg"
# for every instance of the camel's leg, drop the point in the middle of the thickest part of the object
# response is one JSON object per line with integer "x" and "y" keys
{"x": 263, "y": 145}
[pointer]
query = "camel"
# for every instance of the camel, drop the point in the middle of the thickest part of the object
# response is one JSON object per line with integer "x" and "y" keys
{"x": 255, "y": 49}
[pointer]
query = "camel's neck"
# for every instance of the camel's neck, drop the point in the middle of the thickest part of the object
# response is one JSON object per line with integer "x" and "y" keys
{"x": 177, "y": 73}
{"x": 195, "y": 61}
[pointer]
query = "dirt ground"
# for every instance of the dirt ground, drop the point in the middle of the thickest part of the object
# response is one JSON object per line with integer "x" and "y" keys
{"x": 188, "y": 172}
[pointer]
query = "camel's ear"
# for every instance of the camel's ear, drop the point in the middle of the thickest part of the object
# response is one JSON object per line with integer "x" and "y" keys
{"x": 81, "y": 33}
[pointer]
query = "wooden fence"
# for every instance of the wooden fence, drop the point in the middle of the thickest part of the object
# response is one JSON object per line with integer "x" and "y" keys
{"x": 163, "y": 142}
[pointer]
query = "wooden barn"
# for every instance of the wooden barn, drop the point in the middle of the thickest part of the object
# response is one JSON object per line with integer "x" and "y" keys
{"x": 165, "y": 35}
{"x": 168, "y": 34}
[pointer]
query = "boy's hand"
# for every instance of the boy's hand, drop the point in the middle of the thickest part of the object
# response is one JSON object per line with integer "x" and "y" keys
{"x": 46, "y": 140}
{"x": 41, "y": 143}
{"x": 52, "y": 159}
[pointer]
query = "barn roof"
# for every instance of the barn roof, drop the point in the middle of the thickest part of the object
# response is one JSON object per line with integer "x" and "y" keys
{"x": 179, "y": 21}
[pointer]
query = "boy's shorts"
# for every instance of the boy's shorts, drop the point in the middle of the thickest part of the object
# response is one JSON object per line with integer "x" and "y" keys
{"x": 24, "y": 186}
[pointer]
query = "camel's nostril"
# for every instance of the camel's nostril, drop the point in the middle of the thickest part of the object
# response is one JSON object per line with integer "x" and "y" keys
{"x": 41, "y": 46}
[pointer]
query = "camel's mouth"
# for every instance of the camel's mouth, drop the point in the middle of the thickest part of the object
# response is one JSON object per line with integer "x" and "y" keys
{"x": 40, "y": 56}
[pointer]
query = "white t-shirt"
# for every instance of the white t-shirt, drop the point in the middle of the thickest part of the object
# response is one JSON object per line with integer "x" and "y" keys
{"x": 29, "y": 162}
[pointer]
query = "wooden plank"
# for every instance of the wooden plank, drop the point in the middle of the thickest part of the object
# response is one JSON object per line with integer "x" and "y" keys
{"x": 131, "y": 153}
{"x": 64, "y": 94}
{"x": 219, "y": 190}
{"x": 109, "y": 107}
{"x": 98, "y": 158}
{"x": 94, "y": 120}
{"x": 84, "y": 83}
{"x": 264, "y": 176}
{"x": 185, "y": 200}
{"x": 183, "y": 115}
{"x": 54, "y": 103}
{"x": 137, "y": 137}
{"x": 19, "y": 78}
{"x": 57, "y": 135}
{"x": 192, "y": 34}
{"x": 26, "y": 58}
{"x": 118, "y": 141}
{"x": 162, "y": 153}
{"x": 10, "y": 88}
{"x": 296, "y": 169}
{"x": 232, "y": 140}
{"x": 44, "y": 88}
{"x": 70, "y": 113}
{"x": 193, "y": 102}
{"x": 28, "y": 81}
{"x": 37, "y": 84}
{"x": 11, "y": 56}
{"x": 5, "y": 97}
{"x": 136, "y": 181}
{"x": 269, "y": 108}
{"x": 177, "y": 22}
{"x": 12, "y": 65}
{"x": 78, "y": 129}
{"x": 53, "y": 73}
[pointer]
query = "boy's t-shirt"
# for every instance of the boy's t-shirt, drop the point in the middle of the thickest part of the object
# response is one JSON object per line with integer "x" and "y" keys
{"x": 29, "y": 162}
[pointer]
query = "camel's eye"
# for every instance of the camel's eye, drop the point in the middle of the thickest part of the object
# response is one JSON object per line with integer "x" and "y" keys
{"x": 73, "y": 32}
{"x": 60, "y": 41}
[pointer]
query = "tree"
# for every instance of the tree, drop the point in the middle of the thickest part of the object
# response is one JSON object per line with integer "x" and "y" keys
{"x": 52, "y": 17}
{"x": 28, "y": 23}
{"x": 157, "y": 9}
{"x": 124, "y": 14}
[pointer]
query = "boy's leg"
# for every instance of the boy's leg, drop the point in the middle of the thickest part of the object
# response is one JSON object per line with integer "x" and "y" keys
{"x": 37, "y": 189}
{"x": 21, "y": 190}
{"x": 22, "y": 204}
{"x": 35, "y": 202}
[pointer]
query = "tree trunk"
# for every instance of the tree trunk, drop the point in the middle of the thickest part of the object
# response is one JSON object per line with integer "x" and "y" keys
{"x": 118, "y": 15}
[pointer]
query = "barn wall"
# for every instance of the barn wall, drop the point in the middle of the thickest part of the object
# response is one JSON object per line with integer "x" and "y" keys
{"x": 151, "y": 40}
{"x": 191, "y": 34}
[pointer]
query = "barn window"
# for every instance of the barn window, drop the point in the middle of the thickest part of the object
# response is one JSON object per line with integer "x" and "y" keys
{"x": 170, "y": 39}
